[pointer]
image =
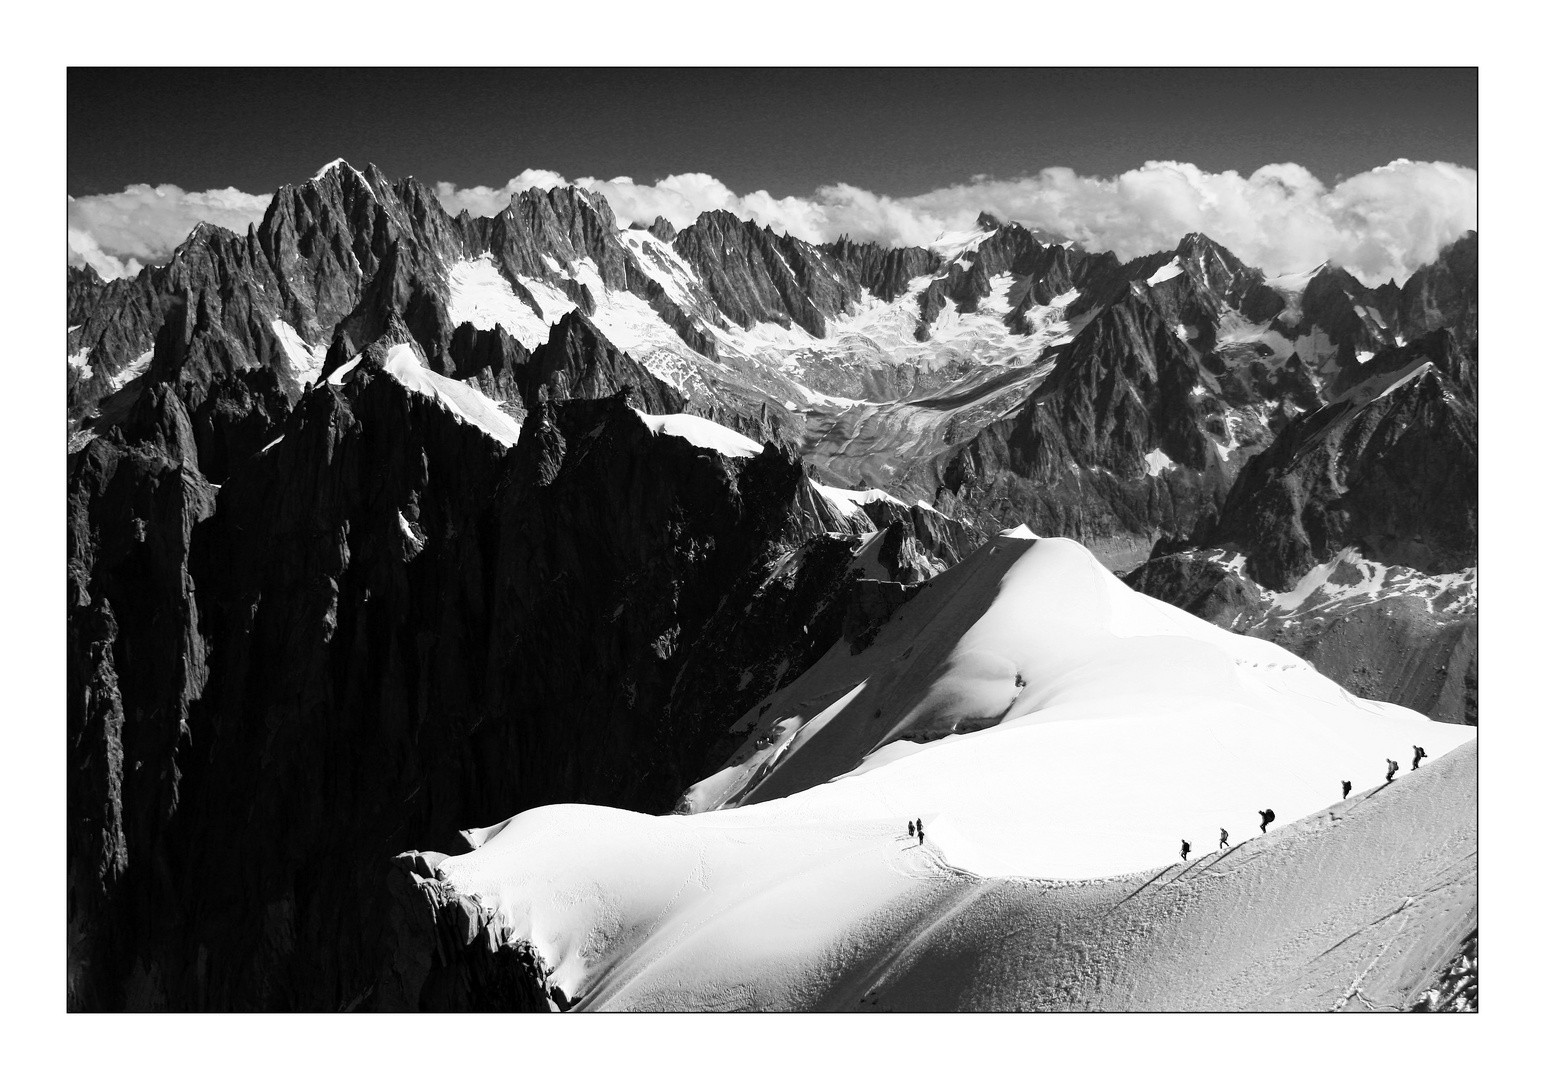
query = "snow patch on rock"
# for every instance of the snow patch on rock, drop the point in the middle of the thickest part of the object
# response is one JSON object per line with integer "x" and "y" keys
{"x": 305, "y": 360}
{"x": 702, "y": 432}
{"x": 1158, "y": 462}
{"x": 466, "y": 401}
{"x": 1171, "y": 269}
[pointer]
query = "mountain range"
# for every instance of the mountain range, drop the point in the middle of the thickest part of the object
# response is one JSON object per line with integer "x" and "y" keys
{"x": 385, "y": 522}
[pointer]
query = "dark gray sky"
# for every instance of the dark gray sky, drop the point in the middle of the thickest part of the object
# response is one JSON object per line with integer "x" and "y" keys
{"x": 894, "y": 131}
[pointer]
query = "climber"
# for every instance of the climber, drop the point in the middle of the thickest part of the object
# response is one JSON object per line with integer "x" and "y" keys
{"x": 1267, "y": 817}
{"x": 1346, "y": 788}
{"x": 1185, "y": 850}
{"x": 1416, "y": 762}
{"x": 1394, "y": 767}
{"x": 1222, "y": 839}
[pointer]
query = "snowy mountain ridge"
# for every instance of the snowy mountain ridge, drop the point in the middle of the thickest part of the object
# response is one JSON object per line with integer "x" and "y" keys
{"x": 396, "y": 522}
{"x": 1129, "y": 726}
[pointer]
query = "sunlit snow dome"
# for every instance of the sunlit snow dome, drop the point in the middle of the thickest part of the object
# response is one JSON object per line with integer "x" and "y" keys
{"x": 1051, "y": 730}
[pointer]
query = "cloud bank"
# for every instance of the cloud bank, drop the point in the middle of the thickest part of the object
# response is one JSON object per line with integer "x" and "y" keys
{"x": 1379, "y": 224}
{"x": 141, "y": 225}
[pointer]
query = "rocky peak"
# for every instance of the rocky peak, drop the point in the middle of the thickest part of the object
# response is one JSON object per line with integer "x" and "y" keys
{"x": 325, "y": 240}
{"x": 565, "y": 214}
{"x": 1391, "y": 473}
{"x": 564, "y": 225}
{"x": 755, "y": 275}
{"x": 1200, "y": 280}
{"x": 577, "y": 361}
{"x": 1128, "y": 367}
{"x": 1444, "y": 293}
{"x": 1199, "y": 248}
{"x": 83, "y": 287}
{"x": 968, "y": 280}
{"x": 1353, "y": 317}
{"x": 885, "y": 272}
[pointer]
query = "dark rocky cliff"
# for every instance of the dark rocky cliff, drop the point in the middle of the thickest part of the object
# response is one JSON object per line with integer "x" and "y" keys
{"x": 387, "y": 622}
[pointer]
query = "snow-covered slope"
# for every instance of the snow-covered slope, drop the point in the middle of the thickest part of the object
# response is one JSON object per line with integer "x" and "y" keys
{"x": 477, "y": 293}
{"x": 305, "y": 360}
{"x": 466, "y": 401}
{"x": 702, "y": 432}
{"x": 1047, "y": 725}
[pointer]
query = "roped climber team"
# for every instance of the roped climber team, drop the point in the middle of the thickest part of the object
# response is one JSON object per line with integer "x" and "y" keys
{"x": 1268, "y": 816}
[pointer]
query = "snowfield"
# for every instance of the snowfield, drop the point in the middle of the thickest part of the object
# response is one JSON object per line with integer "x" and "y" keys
{"x": 1058, "y": 735}
{"x": 479, "y": 294}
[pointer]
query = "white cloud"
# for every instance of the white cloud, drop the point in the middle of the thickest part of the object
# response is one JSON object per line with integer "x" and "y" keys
{"x": 484, "y": 201}
{"x": 85, "y": 251}
{"x": 141, "y": 224}
{"x": 1379, "y": 224}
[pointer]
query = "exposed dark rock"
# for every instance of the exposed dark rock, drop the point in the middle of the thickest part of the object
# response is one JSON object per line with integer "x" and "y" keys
{"x": 137, "y": 663}
{"x": 885, "y": 272}
{"x": 1073, "y": 461}
{"x": 662, "y": 230}
{"x": 1393, "y": 650}
{"x": 1353, "y": 317}
{"x": 1212, "y": 281}
{"x": 578, "y": 362}
{"x": 1397, "y": 648}
{"x": 1445, "y": 294}
{"x": 967, "y": 280}
{"x": 1394, "y": 476}
{"x": 1200, "y": 586}
{"x": 83, "y": 288}
{"x": 442, "y": 954}
{"x": 779, "y": 619}
{"x": 755, "y": 275}
{"x": 873, "y": 603}
{"x": 408, "y": 628}
{"x": 239, "y": 415}
{"x": 490, "y": 359}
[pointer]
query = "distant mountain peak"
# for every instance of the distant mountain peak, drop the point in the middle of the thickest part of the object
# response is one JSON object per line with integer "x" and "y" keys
{"x": 333, "y": 166}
